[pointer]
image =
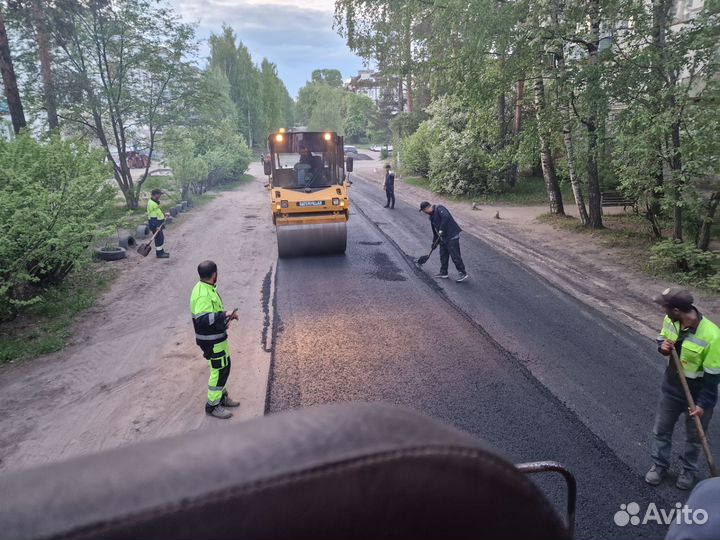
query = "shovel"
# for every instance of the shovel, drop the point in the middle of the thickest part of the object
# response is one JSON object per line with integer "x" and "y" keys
{"x": 144, "y": 249}
{"x": 691, "y": 403}
{"x": 423, "y": 259}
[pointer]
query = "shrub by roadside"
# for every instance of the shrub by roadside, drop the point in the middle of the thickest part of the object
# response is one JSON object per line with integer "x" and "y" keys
{"x": 53, "y": 193}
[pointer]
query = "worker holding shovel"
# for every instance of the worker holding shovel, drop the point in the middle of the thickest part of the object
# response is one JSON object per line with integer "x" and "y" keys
{"x": 156, "y": 220}
{"x": 689, "y": 386}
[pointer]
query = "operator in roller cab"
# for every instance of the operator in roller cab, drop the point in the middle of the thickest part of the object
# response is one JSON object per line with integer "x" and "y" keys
{"x": 308, "y": 187}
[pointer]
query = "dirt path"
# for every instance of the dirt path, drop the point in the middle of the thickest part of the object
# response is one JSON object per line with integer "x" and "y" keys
{"x": 578, "y": 264}
{"x": 133, "y": 370}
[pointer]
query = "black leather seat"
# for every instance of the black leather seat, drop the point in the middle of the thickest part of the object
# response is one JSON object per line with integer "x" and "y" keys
{"x": 335, "y": 471}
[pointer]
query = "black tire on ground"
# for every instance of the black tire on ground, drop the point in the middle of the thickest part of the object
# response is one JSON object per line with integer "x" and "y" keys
{"x": 184, "y": 205}
{"x": 178, "y": 208}
{"x": 126, "y": 240}
{"x": 174, "y": 211}
{"x": 142, "y": 231}
{"x": 111, "y": 253}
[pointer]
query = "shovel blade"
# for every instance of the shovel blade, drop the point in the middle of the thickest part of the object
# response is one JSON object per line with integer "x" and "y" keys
{"x": 144, "y": 250}
{"x": 422, "y": 260}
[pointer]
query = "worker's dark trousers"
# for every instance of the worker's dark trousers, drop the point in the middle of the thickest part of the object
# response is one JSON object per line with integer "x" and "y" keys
{"x": 668, "y": 412}
{"x": 160, "y": 238}
{"x": 390, "y": 192}
{"x": 451, "y": 248}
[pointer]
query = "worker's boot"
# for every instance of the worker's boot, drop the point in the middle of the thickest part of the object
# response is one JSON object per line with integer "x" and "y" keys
{"x": 655, "y": 475}
{"x": 162, "y": 255}
{"x": 218, "y": 411}
{"x": 685, "y": 480}
{"x": 228, "y": 402}
{"x": 442, "y": 275}
{"x": 462, "y": 277}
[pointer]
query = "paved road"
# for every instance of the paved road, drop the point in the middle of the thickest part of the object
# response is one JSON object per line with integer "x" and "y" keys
{"x": 505, "y": 356}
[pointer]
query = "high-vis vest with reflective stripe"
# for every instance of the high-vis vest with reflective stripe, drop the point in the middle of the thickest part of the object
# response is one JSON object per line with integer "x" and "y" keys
{"x": 700, "y": 352}
{"x": 208, "y": 315}
{"x": 154, "y": 210}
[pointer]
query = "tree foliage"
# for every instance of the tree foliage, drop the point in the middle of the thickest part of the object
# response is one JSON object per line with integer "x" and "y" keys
{"x": 603, "y": 94}
{"x": 207, "y": 150}
{"x": 323, "y": 106}
{"x": 261, "y": 98}
{"x": 52, "y": 195}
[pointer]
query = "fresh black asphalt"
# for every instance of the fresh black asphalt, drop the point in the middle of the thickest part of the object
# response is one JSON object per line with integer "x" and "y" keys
{"x": 504, "y": 356}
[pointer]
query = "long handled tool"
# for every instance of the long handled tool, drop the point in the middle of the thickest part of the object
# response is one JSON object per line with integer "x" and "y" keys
{"x": 229, "y": 320}
{"x": 691, "y": 403}
{"x": 144, "y": 249}
{"x": 424, "y": 258}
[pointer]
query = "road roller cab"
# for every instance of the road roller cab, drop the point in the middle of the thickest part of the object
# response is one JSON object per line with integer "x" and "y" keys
{"x": 309, "y": 192}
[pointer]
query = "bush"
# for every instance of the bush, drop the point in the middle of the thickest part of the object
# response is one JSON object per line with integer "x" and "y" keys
{"x": 52, "y": 195}
{"x": 686, "y": 263}
{"x": 415, "y": 151}
{"x": 462, "y": 158}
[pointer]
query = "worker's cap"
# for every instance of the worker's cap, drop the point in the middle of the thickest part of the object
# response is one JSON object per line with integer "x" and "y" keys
{"x": 424, "y": 205}
{"x": 675, "y": 297}
{"x": 156, "y": 192}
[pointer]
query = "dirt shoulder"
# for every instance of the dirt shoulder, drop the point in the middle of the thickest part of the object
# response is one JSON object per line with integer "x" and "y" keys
{"x": 578, "y": 264}
{"x": 133, "y": 370}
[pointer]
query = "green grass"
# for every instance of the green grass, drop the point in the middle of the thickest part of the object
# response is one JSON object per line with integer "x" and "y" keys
{"x": 45, "y": 326}
{"x": 528, "y": 191}
{"x": 632, "y": 234}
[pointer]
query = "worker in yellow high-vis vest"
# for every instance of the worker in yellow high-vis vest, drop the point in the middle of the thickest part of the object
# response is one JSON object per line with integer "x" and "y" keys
{"x": 156, "y": 219}
{"x": 696, "y": 339}
{"x": 210, "y": 321}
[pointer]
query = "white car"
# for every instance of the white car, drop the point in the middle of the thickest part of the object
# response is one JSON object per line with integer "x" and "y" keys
{"x": 380, "y": 148}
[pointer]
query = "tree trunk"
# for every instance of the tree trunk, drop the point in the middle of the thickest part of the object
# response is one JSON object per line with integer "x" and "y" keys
{"x": 546, "y": 158}
{"x": 502, "y": 130}
{"x": 594, "y": 199}
{"x": 591, "y": 123}
{"x": 45, "y": 63}
{"x": 517, "y": 121}
{"x": 10, "y": 81}
{"x": 572, "y": 173}
{"x": 401, "y": 96}
{"x": 704, "y": 236}
{"x": 677, "y": 182}
{"x": 409, "y": 93}
{"x": 567, "y": 129}
{"x": 653, "y": 204}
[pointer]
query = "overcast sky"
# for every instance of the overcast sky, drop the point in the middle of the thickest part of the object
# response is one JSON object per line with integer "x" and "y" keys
{"x": 297, "y": 36}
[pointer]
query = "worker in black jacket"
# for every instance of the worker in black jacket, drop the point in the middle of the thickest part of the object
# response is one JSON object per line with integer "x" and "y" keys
{"x": 389, "y": 186}
{"x": 447, "y": 231}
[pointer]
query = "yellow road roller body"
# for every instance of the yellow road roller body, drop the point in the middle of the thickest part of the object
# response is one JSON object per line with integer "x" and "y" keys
{"x": 308, "y": 192}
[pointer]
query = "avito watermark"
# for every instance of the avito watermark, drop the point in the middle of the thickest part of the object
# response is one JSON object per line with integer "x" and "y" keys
{"x": 629, "y": 514}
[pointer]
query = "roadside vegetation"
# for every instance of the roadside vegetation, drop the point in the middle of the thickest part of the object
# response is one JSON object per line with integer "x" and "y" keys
{"x": 594, "y": 96}
{"x": 107, "y": 102}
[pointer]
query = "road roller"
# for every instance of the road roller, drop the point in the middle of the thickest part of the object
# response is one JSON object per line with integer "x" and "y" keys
{"x": 308, "y": 185}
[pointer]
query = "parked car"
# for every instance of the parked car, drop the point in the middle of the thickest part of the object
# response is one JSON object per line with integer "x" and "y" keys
{"x": 350, "y": 149}
{"x": 381, "y": 147}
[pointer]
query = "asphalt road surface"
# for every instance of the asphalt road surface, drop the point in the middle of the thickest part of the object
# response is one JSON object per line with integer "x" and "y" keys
{"x": 504, "y": 355}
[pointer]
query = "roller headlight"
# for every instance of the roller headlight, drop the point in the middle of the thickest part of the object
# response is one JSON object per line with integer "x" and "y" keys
{"x": 284, "y": 204}
{"x": 336, "y": 202}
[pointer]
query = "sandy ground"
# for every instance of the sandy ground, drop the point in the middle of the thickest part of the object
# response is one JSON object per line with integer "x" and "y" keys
{"x": 578, "y": 264}
{"x": 133, "y": 370}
